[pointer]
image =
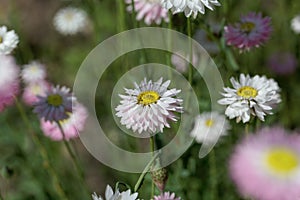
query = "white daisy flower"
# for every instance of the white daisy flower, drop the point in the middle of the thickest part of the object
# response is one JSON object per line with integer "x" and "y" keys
{"x": 70, "y": 20}
{"x": 149, "y": 106}
{"x": 8, "y": 40}
{"x": 33, "y": 72}
{"x": 189, "y": 7}
{"x": 295, "y": 24}
{"x": 255, "y": 96}
{"x": 209, "y": 127}
{"x": 110, "y": 195}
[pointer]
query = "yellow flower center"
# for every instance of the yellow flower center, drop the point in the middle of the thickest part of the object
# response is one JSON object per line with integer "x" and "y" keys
{"x": 247, "y": 92}
{"x": 209, "y": 122}
{"x": 282, "y": 160}
{"x": 148, "y": 97}
{"x": 247, "y": 27}
{"x": 55, "y": 100}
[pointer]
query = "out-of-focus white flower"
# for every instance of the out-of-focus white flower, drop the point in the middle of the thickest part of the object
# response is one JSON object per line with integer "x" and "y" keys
{"x": 209, "y": 127}
{"x": 295, "y": 24}
{"x": 34, "y": 72}
{"x": 70, "y": 20}
{"x": 8, "y": 40}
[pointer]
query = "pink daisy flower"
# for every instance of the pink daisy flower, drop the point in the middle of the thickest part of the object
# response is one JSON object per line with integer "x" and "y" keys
{"x": 282, "y": 63}
{"x": 166, "y": 196}
{"x": 33, "y": 90}
{"x": 266, "y": 166}
{"x": 252, "y": 30}
{"x": 149, "y": 10}
{"x": 71, "y": 126}
{"x": 9, "y": 81}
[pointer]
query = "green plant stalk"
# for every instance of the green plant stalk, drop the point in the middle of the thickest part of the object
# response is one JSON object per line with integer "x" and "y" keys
{"x": 213, "y": 175}
{"x": 73, "y": 157}
{"x": 47, "y": 164}
{"x": 1, "y": 197}
{"x": 143, "y": 174}
{"x": 152, "y": 148}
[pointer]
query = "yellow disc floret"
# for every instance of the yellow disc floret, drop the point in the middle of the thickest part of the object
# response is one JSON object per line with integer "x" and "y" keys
{"x": 282, "y": 160}
{"x": 148, "y": 97}
{"x": 247, "y": 92}
{"x": 55, "y": 100}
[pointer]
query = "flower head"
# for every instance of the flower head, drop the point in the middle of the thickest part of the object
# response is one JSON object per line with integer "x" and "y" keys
{"x": 9, "y": 81}
{"x": 149, "y": 10}
{"x": 71, "y": 126}
{"x": 190, "y": 7}
{"x": 70, "y": 20}
{"x": 33, "y": 90}
{"x": 8, "y": 40}
{"x": 180, "y": 61}
{"x": 34, "y": 72}
{"x": 209, "y": 127}
{"x": 149, "y": 106}
{"x": 266, "y": 165}
{"x": 295, "y": 24}
{"x": 252, "y": 30}
{"x": 56, "y": 105}
{"x": 110, "y": 195}
{"x": 282, "y": 63}
{"x": 166, "y": 196}
{"x": 255, "y": 96}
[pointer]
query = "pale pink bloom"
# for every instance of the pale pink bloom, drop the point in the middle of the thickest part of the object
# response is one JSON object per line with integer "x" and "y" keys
{"x": 166, "y": 196}
{"x": 251, "y": 31}
{"x": 33, "y": 90}
{"x": 149, "y": 10}
{"x": 180, "y": 61}
{"x": 266, "y": 165}
{"x": 9, "y": 81}
{"x": 71, "y": 126}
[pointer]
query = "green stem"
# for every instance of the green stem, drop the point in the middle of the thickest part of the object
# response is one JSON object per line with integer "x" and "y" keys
{"x": 143, "y": 174}
{"x": 72, "y": 155}
{"x": 47, "y": 164}
{"x": 247, "y": 129}
{"x": 152, "y": 148}
{"x": 121, "y": 11}
{"x": 213, "y": 175}
{"x": 1, "y": 197}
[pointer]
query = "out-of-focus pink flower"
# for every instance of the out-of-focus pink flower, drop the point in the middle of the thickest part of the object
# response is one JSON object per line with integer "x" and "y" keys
{"x": 282, "y": 63}
{"x": 166, "y": 196}
{"x": 33, "y": 90}
{"x": 149, "y": 10}
{"x": 71, "y": 126}
{"x": 9, "y": 81}
{"x": 251, "y": 31}
{"x": 266, "y": 165}
{"x": 179, "y": 60}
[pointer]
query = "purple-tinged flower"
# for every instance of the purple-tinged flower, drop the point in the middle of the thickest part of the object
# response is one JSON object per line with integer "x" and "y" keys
{"x": 9, "y": 81}
{"x": 149, "y": 10}
{"x": 56, "y": 105}
{"x": 282, "y": 63}
{"x": 71, "y": 126}
{"x": 251, "y": 31}
{"x": 266, "y": 165}
{"x": 166, "y": 196}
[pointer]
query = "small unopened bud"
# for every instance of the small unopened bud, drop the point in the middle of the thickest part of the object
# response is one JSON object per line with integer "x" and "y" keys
{"x": 160, "y": 178}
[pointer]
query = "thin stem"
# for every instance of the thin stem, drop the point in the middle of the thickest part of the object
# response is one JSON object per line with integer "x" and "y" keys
{"x": 145, "y": 171}
{"x": 247, "y": 129}
{"x": 152, "y": 148}
{"x": 213, "y": 175}
{"x": 70, "y": 151}
{"x": 47, "y": 164}
{"x": 1, "y": 197}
